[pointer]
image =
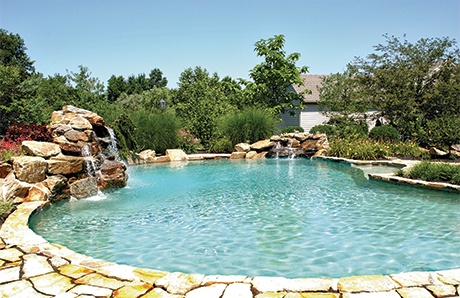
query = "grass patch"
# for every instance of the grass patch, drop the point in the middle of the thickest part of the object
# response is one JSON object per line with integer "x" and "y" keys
{"x": 369, "y": 149}
{"x": 435, "y": 172}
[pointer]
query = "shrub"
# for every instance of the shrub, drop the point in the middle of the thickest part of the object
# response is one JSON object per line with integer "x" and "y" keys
{"x": 329, "y": 130}
{"x": 188, "y": 142}
{"x": 125, "y": 133}
{"x": 291, "y": 129}
{"x": 352, "y": 131}
{"x": 249, "y": 126}
{"x": 384, "y": 133}
{"x": 441, "y": 132}
{"x": 368, "y": 149}
{"x": 9, "y": 149}
{"x": 156, "y": 131}
{"x": 22, "y": 131}
{"x": 441, "y": 172}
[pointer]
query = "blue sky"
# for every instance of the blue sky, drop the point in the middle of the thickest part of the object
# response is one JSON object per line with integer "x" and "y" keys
{"x": 132, "y": 37}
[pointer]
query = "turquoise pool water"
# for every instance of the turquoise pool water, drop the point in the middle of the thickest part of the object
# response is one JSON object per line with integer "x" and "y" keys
{"x": 292, "y": 218}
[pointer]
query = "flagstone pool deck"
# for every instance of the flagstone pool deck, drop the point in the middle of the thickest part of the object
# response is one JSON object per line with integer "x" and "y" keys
{"x": 30, "y": 266}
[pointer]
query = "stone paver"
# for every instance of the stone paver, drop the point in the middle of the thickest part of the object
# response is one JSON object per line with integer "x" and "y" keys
{"x": 32, "y": 267}
{"x": 52, "y": 283}
{"x": 370, "y": 283}
{"x": 238, "y": 290}
{"x": 414, "y": 292}
{"x": 212, "y": 291}
{"x": 9, "y": 274}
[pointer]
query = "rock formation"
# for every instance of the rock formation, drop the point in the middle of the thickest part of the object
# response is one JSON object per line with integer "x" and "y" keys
{"x": 287, "y": 145}
{"x": 76, "y": 164}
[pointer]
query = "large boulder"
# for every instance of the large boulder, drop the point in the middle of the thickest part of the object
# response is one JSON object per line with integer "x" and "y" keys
{"x": 38, "y": 192}
{"x": 80, "y": 123}
{"x": 84, "y": 188}
{"x": 242, "y": 147}
{"x": 262, "y": 145}
{"x": 176, "y": 155}
{"x": 31, "y": 169}
{"x": 41, "y": 149}
{"x": 112, "y": 175}
{"x": 56, "y": 185}
{"x": 11, "y": 188}
{"x": 237, "y": 155}
{"x": 92, "y": 117}
{"x": 65, "y": 165}
{"x": 76, "y": 135}
{"x": 147, "y": 156}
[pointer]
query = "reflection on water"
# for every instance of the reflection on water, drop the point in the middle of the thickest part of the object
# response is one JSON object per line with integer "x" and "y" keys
{"x": 293, "y": 218}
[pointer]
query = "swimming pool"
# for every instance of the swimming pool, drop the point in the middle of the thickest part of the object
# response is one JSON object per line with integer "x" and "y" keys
{"x": 292, "y": 218}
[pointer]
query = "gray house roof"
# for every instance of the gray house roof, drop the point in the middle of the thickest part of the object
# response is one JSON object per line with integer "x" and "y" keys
{"x": 311, "y": 82}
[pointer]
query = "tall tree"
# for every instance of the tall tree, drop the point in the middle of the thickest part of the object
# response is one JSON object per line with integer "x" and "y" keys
{"x": 412, "y": 85}
{"x": 115, "y": 87}
{"x": 15, "y": 69}
{"x": 274, "y": 75}
{"x": 156, "y": 79}
{"x": 200, "y": 101}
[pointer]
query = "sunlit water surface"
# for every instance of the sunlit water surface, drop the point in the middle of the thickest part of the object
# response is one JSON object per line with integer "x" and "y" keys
{"x": 292, "y": 218}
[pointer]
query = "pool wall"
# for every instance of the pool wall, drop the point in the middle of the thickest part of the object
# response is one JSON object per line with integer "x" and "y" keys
{"x": 30, "y": 266}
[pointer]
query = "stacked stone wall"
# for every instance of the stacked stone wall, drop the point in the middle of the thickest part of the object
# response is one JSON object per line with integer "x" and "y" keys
{"x": 59, "y": 169}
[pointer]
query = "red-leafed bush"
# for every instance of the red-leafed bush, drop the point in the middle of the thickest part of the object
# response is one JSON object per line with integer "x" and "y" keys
{"x": 22, "y": 131}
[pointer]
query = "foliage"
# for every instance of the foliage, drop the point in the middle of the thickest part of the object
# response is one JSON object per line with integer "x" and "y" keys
{"x": 441, "y": 132}
{"x": 291, "y": 129}
{"x": 15, "y": 69}
{"x": 118, "y": 85}
{"x": 22, "y": 131}
{"x": 441, "y": 172}
{"x": 409, "y": 84}
{"x": 147, "y": 100}
{"x": 272, "y": 78}
{"x": 342, "y": 97}
{"x": 384, "y": 133}
{"x": 10, "y": 148}
{"x": 199, "y": 101}
{"x": 125, "y": 133}
{"x": 188, "y": 142}
{"x": 368, "y": 149}
{"x": 5, "y": 209}
{"x": 13, "y": 53}
{"x": 221, "y": 144}
{"x": 329, "y": 130}
{"x": 248, "y": 126}
{"x": 157, "y": 131}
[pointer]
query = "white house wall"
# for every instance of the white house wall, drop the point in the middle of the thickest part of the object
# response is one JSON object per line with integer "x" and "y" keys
{"x": 310, "y": 116}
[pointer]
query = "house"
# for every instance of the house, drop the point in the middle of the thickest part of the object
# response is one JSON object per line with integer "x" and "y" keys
{"x": 310, "y": 115}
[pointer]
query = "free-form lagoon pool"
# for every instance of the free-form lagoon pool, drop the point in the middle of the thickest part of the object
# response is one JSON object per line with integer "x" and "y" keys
{"x": 267, "y": 217}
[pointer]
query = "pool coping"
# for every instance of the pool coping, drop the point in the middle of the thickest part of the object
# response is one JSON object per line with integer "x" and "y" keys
{"x": 30, "y": 266}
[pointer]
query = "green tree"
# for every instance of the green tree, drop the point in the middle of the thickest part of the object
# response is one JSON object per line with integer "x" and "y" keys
{"x": 15, "y": 69}
{"x": 88, "y": 91}
{"x": 199, "y": 102}
{"x": 410, "y": 83}
{"x": 342, "y": 97}
{"x": 115, "y": 87}
{"x": 156, "y": 79}
{"x": 13, "y": 53}
{"x": 273, "y": 77}
{"x": 134, "y": 84}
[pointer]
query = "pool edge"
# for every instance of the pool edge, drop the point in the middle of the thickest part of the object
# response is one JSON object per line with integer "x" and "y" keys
{"x": 31, "y": 265}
